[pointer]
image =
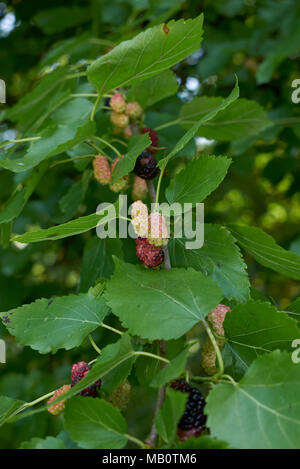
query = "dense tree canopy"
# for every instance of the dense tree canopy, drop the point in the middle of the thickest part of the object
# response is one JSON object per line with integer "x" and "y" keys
{"x": 220, "y": 91}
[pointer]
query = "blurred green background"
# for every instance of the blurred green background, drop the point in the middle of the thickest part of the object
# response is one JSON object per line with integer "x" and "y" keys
{"x": 259, "y": 41}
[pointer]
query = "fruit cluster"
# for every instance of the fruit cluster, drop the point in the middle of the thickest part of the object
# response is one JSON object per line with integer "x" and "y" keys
{"x": 78, "y": 372}
{"x": 123, "y": 113}
{"x": 192, "y": 422}
{"x": 103, "y": 173}
{"x": 152, "y": 234}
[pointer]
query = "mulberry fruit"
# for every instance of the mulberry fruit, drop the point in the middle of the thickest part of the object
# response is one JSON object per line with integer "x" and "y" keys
{"x": 102, "y": 170}
{"x": 209, "y": 356}
{"x": 154, "y": 139}
{"x": 139, "y": 189}
{"x": 158, "y": 231}
{"x": 127, "y": 133}
{"x": 216, "y": 318}
{"x": 79, "y": 371}
{"x": 193, "y": 419}
{"x": 120, "y": 120}
{"x": 146, "y": 166}
{"x": 120, "y": 397}
{"x": 139, "y": 209}
{"x": 56, "y": 409}
{"x": 134, "y": 110}
{"x": 117, "y": 103}
{"x": 139, "y": 218}
{"x": 122, "y": 184}
{"x": 149, "y": 255}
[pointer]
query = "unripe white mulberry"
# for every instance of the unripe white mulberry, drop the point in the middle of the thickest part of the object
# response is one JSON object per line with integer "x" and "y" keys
{"x": 117, "y": 102}
{"x": 158, "y": 231}
{"x": 102, "y": 170}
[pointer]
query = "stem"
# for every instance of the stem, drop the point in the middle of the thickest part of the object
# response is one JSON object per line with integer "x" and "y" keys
{"x": 203, "y": 378}
{"x": 151, "y": 190}
{"x": 111, "y": 328}
{"x": 95, "y": 346}
{"x": 68, "y": 160}
{"x": 120, "y": 141}
{"x": 108, "y": 145}
{"x": 84, "y": 95}
{"x": 39, "y": 399}
{"x": 135, "y": 440}
{"x": 95, "y": 108}
{"x": 152, "y": 355}
{"x": 75, "y": 75}
{"x": 156, "y": 199}
{"x": 151, "y": 440}
{"x": 215, "y": 345}
{"x": 32, "y": 403}
{"x": 230, "y": 379}
{"x": 20, "y": 140}
{"x": 167, "y": 124}
{"x": 103, "y": 42}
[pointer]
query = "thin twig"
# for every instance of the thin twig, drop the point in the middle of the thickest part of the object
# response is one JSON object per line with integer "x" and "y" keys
{"x": 151, "y": 440}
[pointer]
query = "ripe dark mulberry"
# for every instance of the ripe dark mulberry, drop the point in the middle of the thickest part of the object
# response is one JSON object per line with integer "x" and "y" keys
{"x": 79, "y": 371}
{"x": 154, "y": 138}
{"x": 149, "y": 255}
{"x": 146, "y": 166}
{"x": 193, "y": 417}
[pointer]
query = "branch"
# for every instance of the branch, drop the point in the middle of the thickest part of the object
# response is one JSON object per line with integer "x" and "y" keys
{"x": 151, "y": 440}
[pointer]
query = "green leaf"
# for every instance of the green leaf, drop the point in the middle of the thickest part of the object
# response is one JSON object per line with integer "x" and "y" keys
{"x": 54, "y": 140}
{"x": 56, "y": 20}
{"x": 173, "y": 370}
{"x": 118, "y": 374}
{"x": 95, "y": 423}
{"x": 285, "y": 47}
{"x": 5, "y": 233}
{"x": 171, "y": 412}
{"x": 71, "y": 228}
{"x": 242, "y": 118}
{"x": 107, "y": 365}
{"x": 219, "y": 258}
{"x": 48, "y": 325}
{"x": 146, "y": 55}
{"x": 48, "y": 443}
{"x": 263, "y": 410}
{"x": 71, "y": 201}
{"x": 194, "y": 129}
{"x": 154, "y": 89}
{"x": 204, "y": 442}
{"x": 98, "y": 260}
{"x": 74, "y": 110}
{"x": 32, "y": 106}
{"x": 254, "y": 328}
{"x": 294, "y": 309}
{"x": 264, "y": 249}
{"x": 160, "y": 305}
{"x": 7, "y": 407}
{"x": 137, "y": 144}
{"x": 147, "y": 367}
{"x": 18, "y": 200}
{"x": 199, "y": 178}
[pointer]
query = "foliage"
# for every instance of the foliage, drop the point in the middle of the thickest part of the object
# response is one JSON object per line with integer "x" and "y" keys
{"x": 214, "y": 80}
